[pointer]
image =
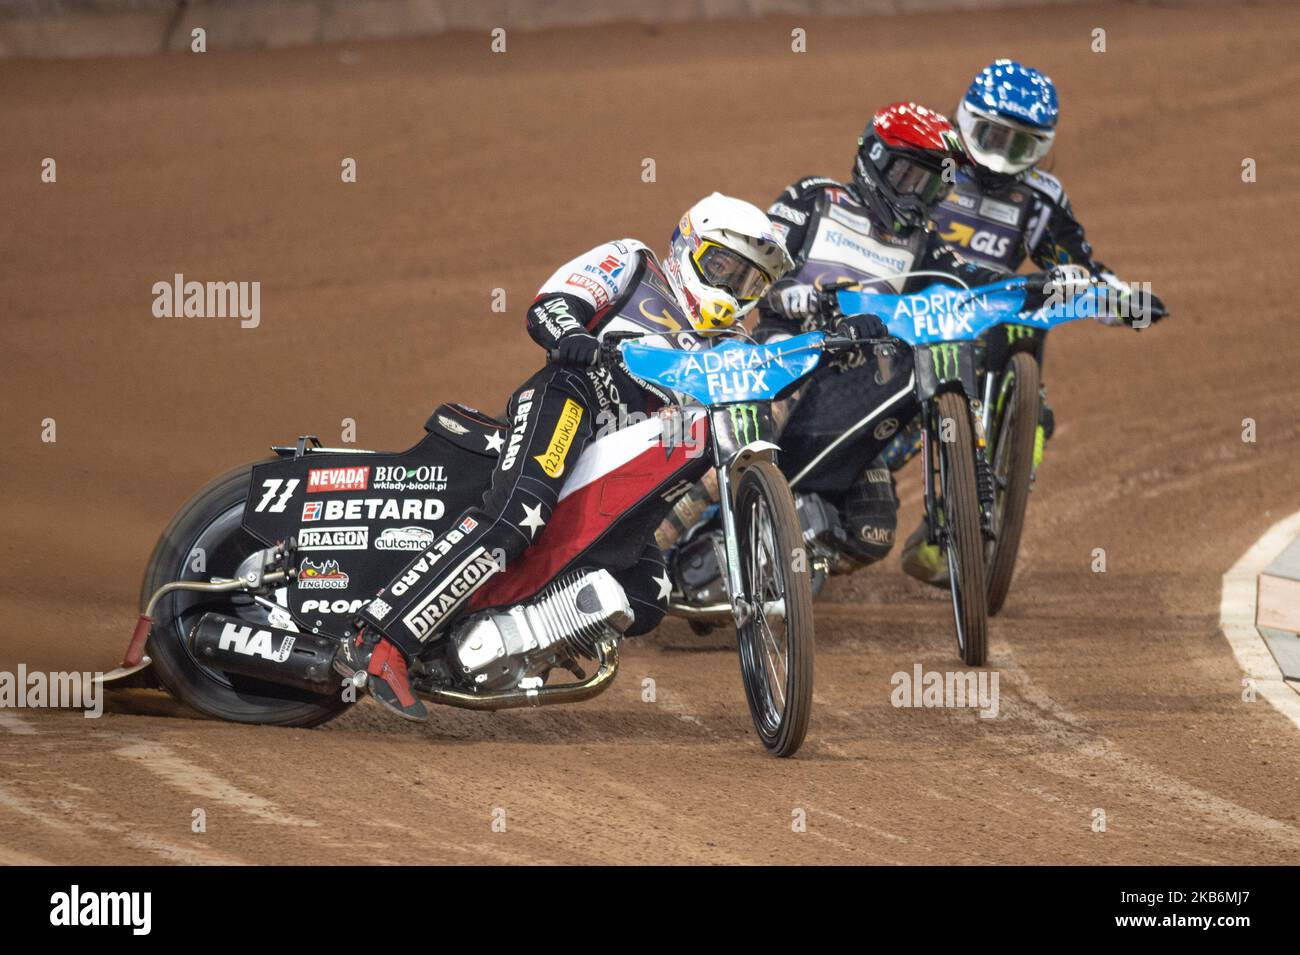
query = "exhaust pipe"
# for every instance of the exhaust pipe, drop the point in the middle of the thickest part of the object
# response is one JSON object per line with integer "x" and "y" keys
{"x": 306, "y": 661}
{"x": 301, "y": 660}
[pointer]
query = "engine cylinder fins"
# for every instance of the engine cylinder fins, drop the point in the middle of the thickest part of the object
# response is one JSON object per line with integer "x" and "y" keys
{"x": 572, "y": 616}
{"x": 582, "y": 607}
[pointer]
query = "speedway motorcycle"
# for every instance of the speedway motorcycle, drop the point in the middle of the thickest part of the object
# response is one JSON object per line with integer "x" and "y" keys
{"x": 976, "y": 453}
{"x": 974, "y": 500}
{"x": 251, "y": 588}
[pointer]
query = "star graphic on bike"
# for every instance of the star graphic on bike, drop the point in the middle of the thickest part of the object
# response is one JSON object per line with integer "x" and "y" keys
{"x": 532, "y": 520}
{"x": 494, "y": 441}
{"x": 665, "y": 585}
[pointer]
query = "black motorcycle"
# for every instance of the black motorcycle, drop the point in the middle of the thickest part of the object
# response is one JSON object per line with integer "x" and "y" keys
{"x": 251, "y": 588}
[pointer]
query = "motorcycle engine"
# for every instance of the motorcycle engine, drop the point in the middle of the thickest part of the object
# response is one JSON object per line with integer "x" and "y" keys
{"x": 498, "y": 649}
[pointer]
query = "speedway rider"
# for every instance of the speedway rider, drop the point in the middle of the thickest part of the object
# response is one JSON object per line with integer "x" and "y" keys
{"x": 1003, "y": 210}
{"x": 872, "y": 229}
{"x": 722, "y": 258}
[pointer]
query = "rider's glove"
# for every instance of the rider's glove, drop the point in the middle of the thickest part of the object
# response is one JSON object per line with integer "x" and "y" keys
{"x": 862, "y": 326}
{"x": 578, "y": 350}
{"x": 1141, "y": 308}
{"x": 794, "y": 301}
{"x": 1059, "y": 284}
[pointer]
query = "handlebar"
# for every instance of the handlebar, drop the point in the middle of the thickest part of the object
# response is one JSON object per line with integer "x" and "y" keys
{"x": 608, "y": 347}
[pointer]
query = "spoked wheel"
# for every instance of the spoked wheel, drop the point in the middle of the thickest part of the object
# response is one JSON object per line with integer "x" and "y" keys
{"x": 206, "y": 540}
{"x": 959, "y": 508}
{"x": 1015, "y": 417}
{"x": 776, "y": 644}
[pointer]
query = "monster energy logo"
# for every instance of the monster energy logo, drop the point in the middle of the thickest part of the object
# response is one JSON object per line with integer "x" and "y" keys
{"x": 1015, "y": 332}
{"x": 945, "y": 361}
{"x": 744, "y": 422}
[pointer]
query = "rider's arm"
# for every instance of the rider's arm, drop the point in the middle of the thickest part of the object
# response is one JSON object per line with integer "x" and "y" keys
{"x": 791, "y": 213}
{"x": 556, "y": 314}
{"x": 1054, "y": 236}
{"x": 577, "y": 295}
{"x": 787, "y": 305}
{"x": 1039, "y": 287}
{"x": 939, "y": 256}
{"x": 1057, "y": 238}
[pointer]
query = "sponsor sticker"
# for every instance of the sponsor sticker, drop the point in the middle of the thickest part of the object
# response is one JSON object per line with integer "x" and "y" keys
{"x": 323, "y": 576}
{"x": 552, "y": 460}
{"x": 331, "y": 480}
{"x": 460, "y": 583}
{"x": 455, "y": 427}
{"x": 1003, "y": 212}
{"x": 397, "y": 477}
{"x": 404, "y": 538}
{"x": 523, "y": 407}
{"x": 379, "y": 609}
{"x": 427, "y": 510}
{"x": 786, "y": 212}
{"x": 254, "y": 644}
{"x": 334, "y": 538}
{"x": 332, "y": 606}
{"x": 467, "y": 525}
{"x": 590, "y": 286}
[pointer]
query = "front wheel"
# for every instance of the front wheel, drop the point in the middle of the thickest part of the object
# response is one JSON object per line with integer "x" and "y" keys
{"x": 776, "y": 643}
{"x": 1012, "y": 459}
{"x": 959, "y": 512}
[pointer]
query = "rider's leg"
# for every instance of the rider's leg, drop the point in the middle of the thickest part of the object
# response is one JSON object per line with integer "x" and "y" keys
{"x": 920, "y": 559}
{"x": 871, "y": 514}
{"x": 647, "y": 587}
{"x": 550, "y": 422}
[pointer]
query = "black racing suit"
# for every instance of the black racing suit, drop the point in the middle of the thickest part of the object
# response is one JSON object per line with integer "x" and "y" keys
{"x": 1003, "y": 222}
{"x": 550, "y": 419}
{"x": 833, "y": 236}
{"x": 1000, "y": 221}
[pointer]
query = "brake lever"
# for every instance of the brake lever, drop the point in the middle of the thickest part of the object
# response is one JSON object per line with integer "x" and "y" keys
{"x": 828, "y": 299}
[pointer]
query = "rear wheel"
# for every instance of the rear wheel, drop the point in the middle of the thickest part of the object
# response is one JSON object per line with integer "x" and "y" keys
{"x": 206, "y": 539}
{"x": 776, "y": 644}
{"x": 1012, "y": 458}
{"x": 959, "y": 509}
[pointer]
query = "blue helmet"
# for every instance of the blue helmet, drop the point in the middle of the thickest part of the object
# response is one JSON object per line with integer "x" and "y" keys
{"x": 1007, "y": 119}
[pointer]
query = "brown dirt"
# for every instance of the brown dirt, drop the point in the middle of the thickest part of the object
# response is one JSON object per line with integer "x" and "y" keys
{"x": 481, "y": 171}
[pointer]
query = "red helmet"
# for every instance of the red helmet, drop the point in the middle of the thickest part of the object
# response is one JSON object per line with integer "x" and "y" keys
{"x": 901, "y": 163}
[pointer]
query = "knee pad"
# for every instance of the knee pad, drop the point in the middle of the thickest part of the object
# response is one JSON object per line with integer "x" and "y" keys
{"x": 871, "y": 514}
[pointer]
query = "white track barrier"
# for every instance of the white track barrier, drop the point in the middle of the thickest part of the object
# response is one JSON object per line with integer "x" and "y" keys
{"x": 1237, "y": 618}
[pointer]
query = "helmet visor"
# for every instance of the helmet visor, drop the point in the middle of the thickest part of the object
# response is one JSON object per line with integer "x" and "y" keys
{"x": 910, "y": 178}
{"x": 1004, "y": 147}
{"x": 727, "y": 269}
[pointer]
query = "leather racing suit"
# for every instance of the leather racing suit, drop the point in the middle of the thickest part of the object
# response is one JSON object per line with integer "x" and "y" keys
{"x": 833, "y": 236}
{"x": 550, "y": 418}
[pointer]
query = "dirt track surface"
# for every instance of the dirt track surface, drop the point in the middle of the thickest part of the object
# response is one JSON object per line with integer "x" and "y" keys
{"x": 479, "y": 171}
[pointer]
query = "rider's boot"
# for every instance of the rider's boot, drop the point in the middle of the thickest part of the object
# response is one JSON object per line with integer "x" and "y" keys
{"x": 369, "y": 651}
{"x": 925, "y": 561}
{"x": 1046, "y": 427}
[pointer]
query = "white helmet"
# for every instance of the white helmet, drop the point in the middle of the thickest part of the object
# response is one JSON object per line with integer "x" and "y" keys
{"x": 722, "y": 259}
